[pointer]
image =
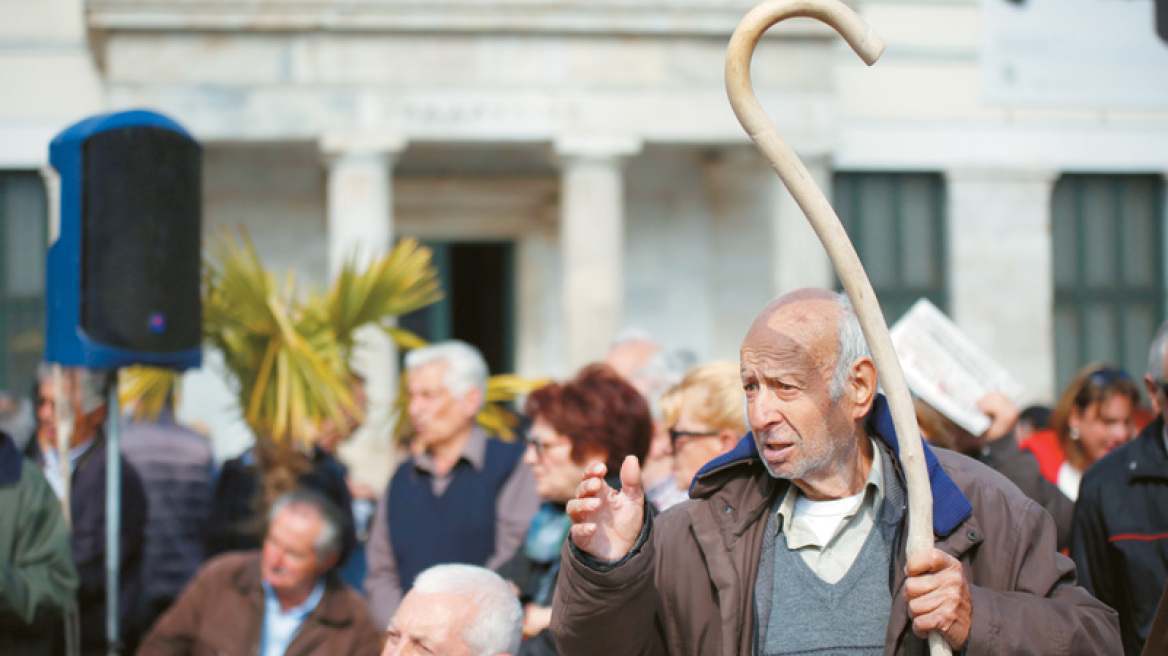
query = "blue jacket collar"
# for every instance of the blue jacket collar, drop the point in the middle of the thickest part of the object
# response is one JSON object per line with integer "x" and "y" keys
{"x": 950, "y": 507}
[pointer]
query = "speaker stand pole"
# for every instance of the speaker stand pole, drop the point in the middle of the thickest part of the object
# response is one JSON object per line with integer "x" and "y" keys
{"x": 113, "y": 517}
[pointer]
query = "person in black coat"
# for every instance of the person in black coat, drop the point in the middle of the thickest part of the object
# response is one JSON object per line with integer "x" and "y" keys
{"x": 84, "y": 393}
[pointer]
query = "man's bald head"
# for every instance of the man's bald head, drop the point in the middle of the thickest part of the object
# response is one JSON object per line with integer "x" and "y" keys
{"x": 811, "y": 316}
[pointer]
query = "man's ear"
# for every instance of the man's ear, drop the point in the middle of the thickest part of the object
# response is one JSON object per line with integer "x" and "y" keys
{"x": 473, "y": 400}
{"x": 862, "y": 386}
{"x": 1153, "y": 391}
{"x": 329, "y": 563}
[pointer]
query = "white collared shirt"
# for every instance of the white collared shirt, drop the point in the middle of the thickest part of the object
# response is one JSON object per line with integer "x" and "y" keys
{"x": 52, "y": 467}
{"x": 280, "y": 626}
{"x": 829, "y": 534}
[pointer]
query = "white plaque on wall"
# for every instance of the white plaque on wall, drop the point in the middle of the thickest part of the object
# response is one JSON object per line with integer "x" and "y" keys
{"x": 1089, "y": 54}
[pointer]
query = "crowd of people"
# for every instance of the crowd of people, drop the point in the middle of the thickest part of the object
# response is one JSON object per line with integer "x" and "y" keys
{"x": 653, "y": 505}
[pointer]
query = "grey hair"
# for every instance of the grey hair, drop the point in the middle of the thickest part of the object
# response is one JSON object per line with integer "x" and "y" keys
{"x": 1157, "y": 351}
{"x": 93, "y": 385}
{"x": 465, "y": 367}
{"x": 664, "y": 369}
{"x": 328, "y": 542}
{"x": 852, "y": 346}
{"x": 498, "y": 625}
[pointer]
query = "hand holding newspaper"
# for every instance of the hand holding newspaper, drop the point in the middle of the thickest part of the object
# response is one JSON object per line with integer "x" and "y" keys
{"x": 947, "y": 370}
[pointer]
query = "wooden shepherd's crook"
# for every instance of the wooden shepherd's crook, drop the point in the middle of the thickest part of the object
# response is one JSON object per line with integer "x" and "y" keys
{"x": 839, "y": 248}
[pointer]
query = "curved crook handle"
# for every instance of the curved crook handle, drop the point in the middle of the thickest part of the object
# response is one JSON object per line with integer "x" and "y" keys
{"x": 835, "y": 240}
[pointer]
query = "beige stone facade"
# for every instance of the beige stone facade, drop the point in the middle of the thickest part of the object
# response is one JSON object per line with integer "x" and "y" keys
{"x": 595, "y": 137}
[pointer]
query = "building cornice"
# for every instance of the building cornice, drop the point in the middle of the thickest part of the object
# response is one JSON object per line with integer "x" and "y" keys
{"x": 607, "y": 17}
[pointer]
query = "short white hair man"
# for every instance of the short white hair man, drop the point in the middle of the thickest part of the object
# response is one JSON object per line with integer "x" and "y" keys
{"x": 457, "y": 610}
{"x": 463, "y": 496}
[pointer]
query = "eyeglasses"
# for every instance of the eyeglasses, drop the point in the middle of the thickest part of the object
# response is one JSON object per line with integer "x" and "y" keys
{"x": 542, "y": 447}
{"x": 675, "y": 435}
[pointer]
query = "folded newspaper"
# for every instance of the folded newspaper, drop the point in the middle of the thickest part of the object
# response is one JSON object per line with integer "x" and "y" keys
{"x": 947, "y": 370}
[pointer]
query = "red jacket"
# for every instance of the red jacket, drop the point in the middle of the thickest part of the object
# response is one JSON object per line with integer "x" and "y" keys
{"x": 1045, "y": 446}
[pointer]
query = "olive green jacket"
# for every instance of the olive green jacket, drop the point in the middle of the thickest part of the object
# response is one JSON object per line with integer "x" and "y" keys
{"x": 38, "y": 583}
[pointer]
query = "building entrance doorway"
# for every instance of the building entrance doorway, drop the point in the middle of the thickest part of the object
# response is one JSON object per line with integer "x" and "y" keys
{"x": 478, "y": 305}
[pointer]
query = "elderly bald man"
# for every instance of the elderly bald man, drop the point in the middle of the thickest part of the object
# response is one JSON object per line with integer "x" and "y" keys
{"x": 794, "y": 542}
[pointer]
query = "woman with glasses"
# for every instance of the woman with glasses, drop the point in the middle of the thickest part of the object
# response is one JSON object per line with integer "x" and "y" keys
{"x": 1092, "y": 417}
{"x": 595, "y": 417}
{"x": 705, "y": 415}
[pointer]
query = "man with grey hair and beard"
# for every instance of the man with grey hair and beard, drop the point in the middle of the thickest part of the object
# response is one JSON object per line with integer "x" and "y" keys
{"x": 1119, "y": 534}
{"x": 284, "y": 599}
{"x": 82, "y": 396}
{"x": 457, "y": 610}
{"x": 794, "y": 541}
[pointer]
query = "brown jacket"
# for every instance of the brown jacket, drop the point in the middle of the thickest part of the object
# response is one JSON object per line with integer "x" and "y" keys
{"x": 221, "y": 613}
{"x": 690, "y": 589}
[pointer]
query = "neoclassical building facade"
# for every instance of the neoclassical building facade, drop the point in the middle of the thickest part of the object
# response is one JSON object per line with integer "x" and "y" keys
{"x": 578, "y": 171}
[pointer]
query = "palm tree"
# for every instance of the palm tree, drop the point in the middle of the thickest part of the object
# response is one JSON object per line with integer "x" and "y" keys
{"x": 288, "y": 356}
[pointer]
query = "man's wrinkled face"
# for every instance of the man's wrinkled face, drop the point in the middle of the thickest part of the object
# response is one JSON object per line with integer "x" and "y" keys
{"x": 437, "y": 415}
{"x": 430, "y": 625}
{"x": 289, "y": 562}
{"x": 787, "y": 360}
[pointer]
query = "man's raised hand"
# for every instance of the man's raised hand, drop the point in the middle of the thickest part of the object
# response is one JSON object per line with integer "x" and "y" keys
{"x": 605, "y": 522}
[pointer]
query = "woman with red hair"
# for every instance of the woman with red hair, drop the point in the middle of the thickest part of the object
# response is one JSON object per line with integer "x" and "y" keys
{"x": 595, "y": 417}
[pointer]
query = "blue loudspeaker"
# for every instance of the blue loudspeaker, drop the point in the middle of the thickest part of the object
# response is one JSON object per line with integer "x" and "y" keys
{"x": 124, "y": 271}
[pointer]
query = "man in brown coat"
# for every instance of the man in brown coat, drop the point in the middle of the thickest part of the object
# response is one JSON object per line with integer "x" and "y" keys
{"x": 794, "y": 541}
{"x": 282, "y": 600}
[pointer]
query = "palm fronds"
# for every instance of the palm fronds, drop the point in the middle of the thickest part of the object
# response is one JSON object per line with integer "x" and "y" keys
{"x": 494, "y": 416}
{"x": 290, "y": 357}
{"x": 501, "y": 389}
{"x": 149, "y": 388}
{"x": 287, "y": 357}
{"x": 288, "y": 354}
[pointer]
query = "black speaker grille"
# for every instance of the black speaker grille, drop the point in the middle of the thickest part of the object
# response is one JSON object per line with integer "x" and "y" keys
{"x": 141, "y": 232}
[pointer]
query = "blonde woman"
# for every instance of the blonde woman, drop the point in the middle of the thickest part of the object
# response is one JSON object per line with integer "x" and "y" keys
{"x": 704, "y": 413}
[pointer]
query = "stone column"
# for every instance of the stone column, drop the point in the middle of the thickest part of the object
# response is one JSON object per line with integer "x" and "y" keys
{"x": 1001, "y": 276}
{"x": 592, "y": 227}
{"x": 360, "y": 195}
{"x": 360, "y": 229}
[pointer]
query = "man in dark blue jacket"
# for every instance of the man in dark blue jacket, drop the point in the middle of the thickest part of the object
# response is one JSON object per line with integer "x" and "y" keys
{"x": 1119, "y": 536}
{"x": 176, "y": 466}
{"x": 83, "y": 393}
